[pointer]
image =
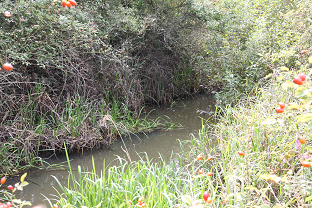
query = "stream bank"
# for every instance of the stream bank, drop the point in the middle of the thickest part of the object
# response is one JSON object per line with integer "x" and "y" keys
{"x": 156, "y": 144}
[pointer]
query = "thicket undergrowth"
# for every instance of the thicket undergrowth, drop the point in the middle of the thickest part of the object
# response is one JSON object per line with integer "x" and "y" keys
{"x": 83, "y": 74}
{"x": 261, "y": 158}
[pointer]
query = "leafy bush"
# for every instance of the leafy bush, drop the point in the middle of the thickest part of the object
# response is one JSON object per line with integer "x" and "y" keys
{"x": 246, "y": 40}
{"x": 273, "y": 170}
{"x": 72, "y": 67}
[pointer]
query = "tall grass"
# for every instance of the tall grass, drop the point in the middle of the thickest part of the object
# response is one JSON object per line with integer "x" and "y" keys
{"x": 269, "y": 174}
{"x": 81, "y": 123}
{"x": 158, "y": 184}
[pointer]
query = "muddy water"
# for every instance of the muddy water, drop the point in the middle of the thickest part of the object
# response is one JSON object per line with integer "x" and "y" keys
{"x": 164, "y": 143}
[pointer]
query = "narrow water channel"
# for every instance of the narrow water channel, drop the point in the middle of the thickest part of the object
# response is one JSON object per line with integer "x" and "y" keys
{"x": 164, "y": 143}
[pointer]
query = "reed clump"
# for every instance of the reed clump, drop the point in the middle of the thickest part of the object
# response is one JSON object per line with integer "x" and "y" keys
{"x": 245, "y": 160}
{"x": 82, "y": 75}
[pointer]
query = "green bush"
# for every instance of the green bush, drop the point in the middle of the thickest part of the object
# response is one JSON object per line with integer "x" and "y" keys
{"x": 246, "y": 39}
{"x": 72, "y": 67}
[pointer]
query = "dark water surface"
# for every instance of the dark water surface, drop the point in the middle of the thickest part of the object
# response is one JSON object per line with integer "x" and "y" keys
{"x": 164, "y": 143}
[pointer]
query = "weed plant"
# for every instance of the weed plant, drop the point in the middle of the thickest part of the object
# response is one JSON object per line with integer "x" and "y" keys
{"x": 158, "y": 184}
{"x": 82, "y": 75}
{"x": 270, "y": 174}
{"x": 253, "y": 157}
{"x": 92, "y": 124}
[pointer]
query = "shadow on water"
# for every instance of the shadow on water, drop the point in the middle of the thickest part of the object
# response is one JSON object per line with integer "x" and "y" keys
{"x": 188, "y": 113}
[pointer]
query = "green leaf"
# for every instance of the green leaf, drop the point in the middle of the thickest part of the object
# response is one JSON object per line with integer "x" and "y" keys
{"x": 269, "y": 121}
{"x": 25, "y": 183}
{"x": 294, "y": 106}
{"x": 187, "y": 199}
{"x": 287, "y": 84}
{"x": 97, "y": 206}
{"x": 309, "y": 127}
{"x": 17, "y": 201}
{"x": 305, "y": 117}
{"x": 284, "y": 68}
{"x": 25, "y": 203}
{"x": 308, "y": 199}
{"x": 268, "y": 76}
{"x": 300, "y": 92}
{"x": 68, "y": 206}
{"x": 252, "y": 188}
{"x": 23, "y": 177}
{"x": 279, "y": 78}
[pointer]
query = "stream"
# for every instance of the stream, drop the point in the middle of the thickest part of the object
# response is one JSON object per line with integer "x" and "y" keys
{"x": 164, "y": 143}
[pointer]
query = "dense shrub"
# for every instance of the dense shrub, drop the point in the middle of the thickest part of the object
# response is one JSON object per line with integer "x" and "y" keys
{"x": 102, "y": 47}
{"x": 72, "y": 67}
{"x": 115, "y": 56}
{"x": 246, "y": 39}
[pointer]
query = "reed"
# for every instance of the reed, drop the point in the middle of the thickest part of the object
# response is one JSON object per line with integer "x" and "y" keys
{"x": 253, "y": 154}
{"x": 36, "y": 132}
{"x": 158, "y": 184}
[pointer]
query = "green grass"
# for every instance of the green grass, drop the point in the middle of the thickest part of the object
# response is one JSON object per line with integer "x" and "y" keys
{"x": 270, "y": 173}
{"x": 86, "y": 122}
{"x": 121, "y": 186}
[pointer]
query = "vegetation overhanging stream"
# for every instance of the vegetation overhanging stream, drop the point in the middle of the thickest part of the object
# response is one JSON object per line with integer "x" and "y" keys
{"x": 79, "y": 76}
{"x": 159, "y": 144}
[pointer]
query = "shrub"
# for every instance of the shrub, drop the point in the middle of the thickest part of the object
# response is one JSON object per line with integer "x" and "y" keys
{"x": 72, "y": 67}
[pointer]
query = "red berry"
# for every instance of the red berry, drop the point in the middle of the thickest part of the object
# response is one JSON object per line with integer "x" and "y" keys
{"x": 302, "y": 76}
{"x": 298, "y": 81}
{"x": 7, "y": 66}
{"x": 280, "y": 110}
{"x": 8, "y": 204}
{"x": 241, "y": 153}
{"x": 281, "y": 104}
{"x": 205, "y": 195}
{"x": 7, "y": 14}
{"x": 10, "y": 187}
{"x": 302, "y": 140}
{"x": 209, "y": 174}
{"x": 68, "y": 4}
{"x": 64, "y": 3}
{"x": 200, "y": 172}
{"x": 306, "y": 164}
{"x": 73, "y": 2}
{"x": 3, "y": 180}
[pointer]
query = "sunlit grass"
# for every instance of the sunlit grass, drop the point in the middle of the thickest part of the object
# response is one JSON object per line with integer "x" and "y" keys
{"x": 268, "y": 173}
{"x": 158, "y": 184}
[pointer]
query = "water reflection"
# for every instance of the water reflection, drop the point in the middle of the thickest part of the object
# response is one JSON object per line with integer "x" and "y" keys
{"x": 157, "y": 143}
